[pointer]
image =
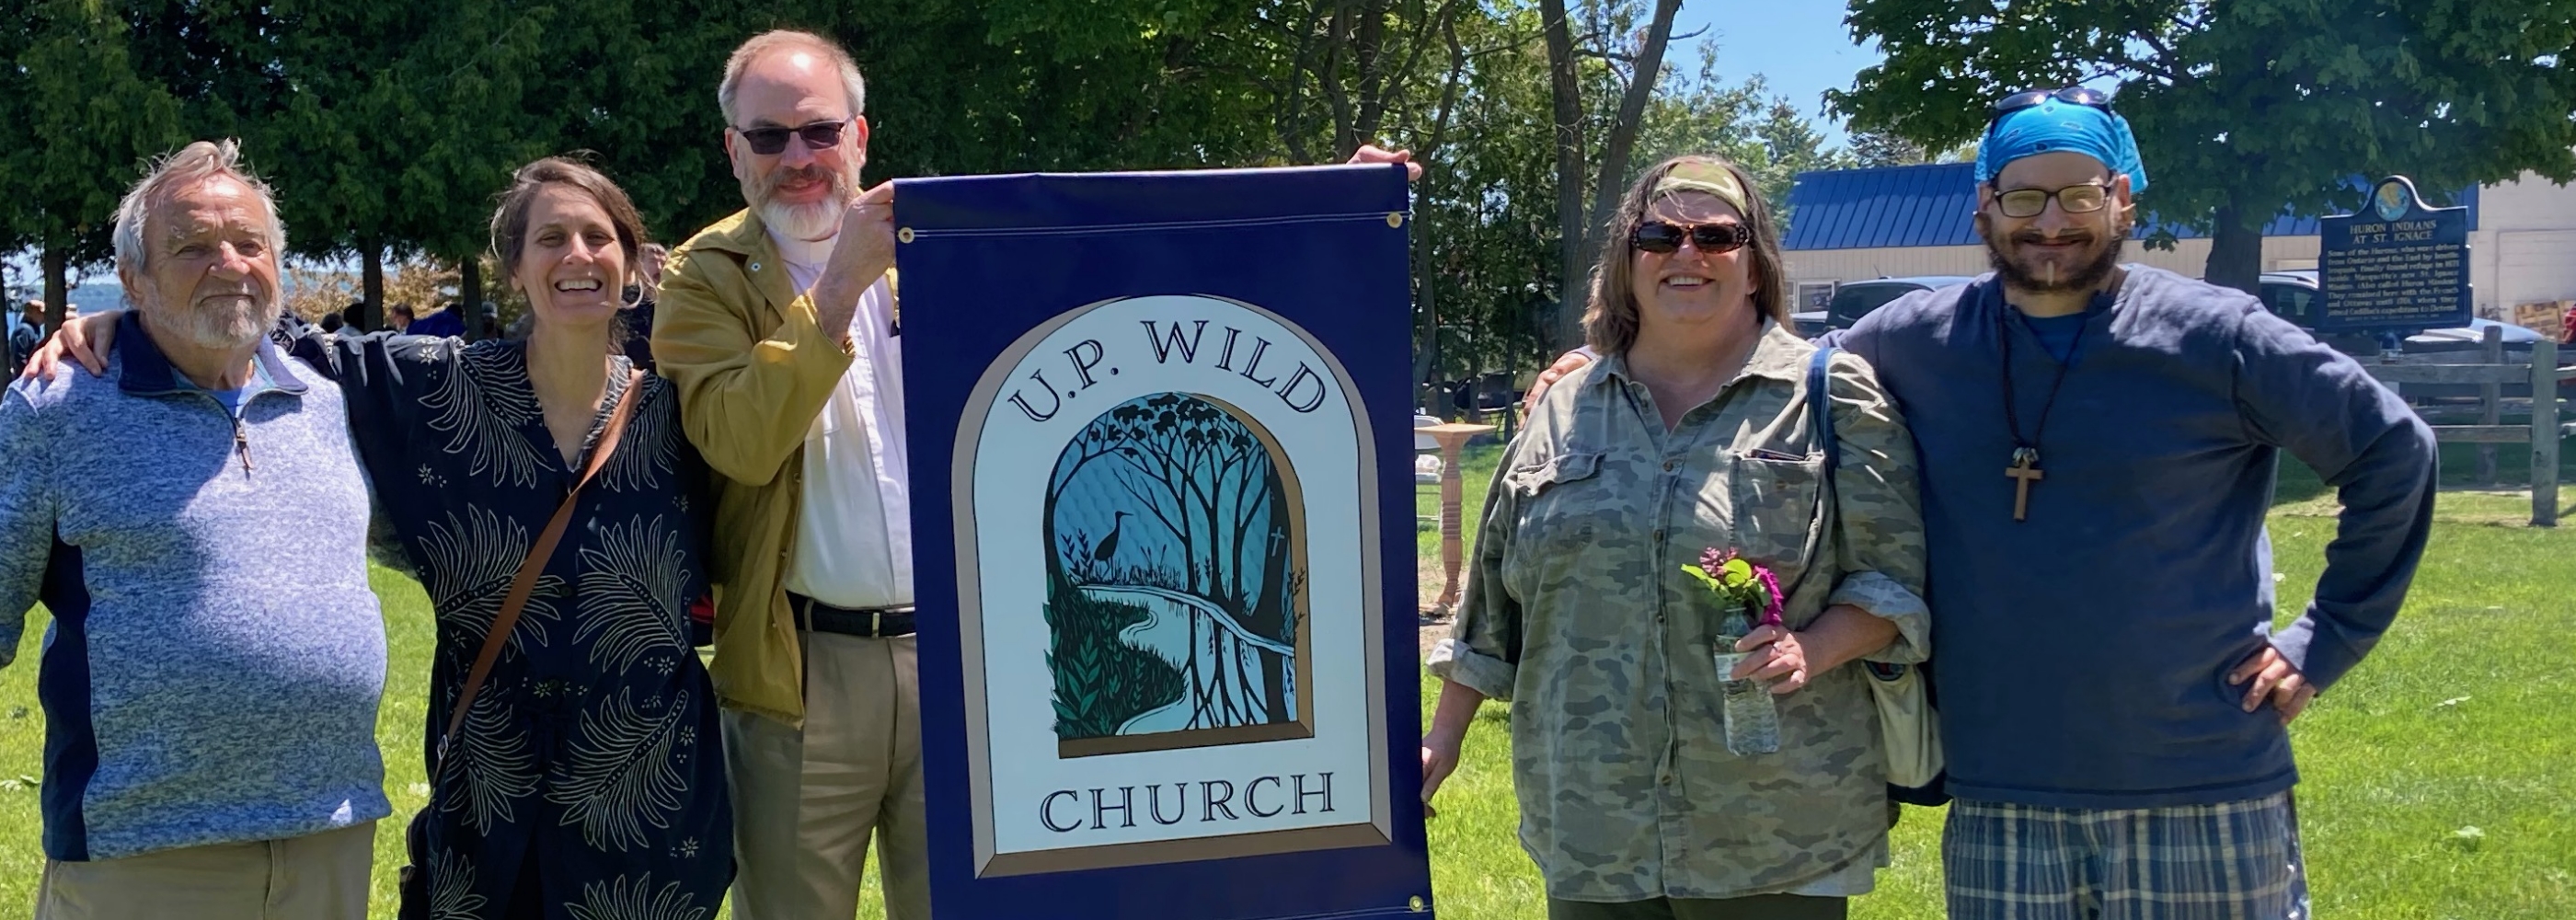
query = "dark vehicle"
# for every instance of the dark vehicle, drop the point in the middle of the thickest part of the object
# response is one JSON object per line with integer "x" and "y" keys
{"x": 1854, "y": 299}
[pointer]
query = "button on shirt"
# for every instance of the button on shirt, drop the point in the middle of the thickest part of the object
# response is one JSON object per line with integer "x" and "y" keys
{"x": 854, "y": 516}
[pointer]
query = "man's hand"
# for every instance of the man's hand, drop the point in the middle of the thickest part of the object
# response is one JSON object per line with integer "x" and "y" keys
{"x": 1565, "y": 364}
{"x": 1371, "y": 153}
{"x": 861, "y": 254}
{"x": 2273, "y": 676}
{"x": 85, "y": 340}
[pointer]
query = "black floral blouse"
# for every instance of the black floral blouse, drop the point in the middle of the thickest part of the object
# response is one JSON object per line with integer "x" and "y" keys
{"x": 592, "y": 755}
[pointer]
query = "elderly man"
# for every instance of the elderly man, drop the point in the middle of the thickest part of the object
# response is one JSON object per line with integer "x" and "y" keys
{"x": 2098, "y": 446}
{"x": 778, "y": 324}
{"x": 195, "y": 522}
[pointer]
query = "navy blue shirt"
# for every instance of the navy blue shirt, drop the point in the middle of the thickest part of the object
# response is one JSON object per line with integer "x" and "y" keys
{"x": 2083, "y": 654}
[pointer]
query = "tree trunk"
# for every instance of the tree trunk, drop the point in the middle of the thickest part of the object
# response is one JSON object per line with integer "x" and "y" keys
{"x": 58, "y": 289}
{"x": 1632, "y": 113}
{"x": 371, "y": 288}
{"x": 1573, "y": 242}
{"x": 2235, "y": 251}
{"x": 469, "y": 297}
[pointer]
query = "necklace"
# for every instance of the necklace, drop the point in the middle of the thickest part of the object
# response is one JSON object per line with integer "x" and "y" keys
{"x": 2025, "y": 458}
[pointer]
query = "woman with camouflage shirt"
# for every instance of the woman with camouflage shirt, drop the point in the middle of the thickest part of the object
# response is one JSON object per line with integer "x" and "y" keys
{"x": 1691, "y": 434}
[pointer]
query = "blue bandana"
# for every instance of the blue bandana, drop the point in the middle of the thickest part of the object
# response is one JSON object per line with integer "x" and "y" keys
{"x": 2053, "y": 126}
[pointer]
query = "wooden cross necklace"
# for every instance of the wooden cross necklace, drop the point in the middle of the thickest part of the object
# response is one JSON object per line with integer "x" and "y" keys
{"x": 2025, "y": 457}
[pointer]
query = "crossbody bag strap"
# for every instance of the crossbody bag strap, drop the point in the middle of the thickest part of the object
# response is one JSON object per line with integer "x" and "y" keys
{"x": 506, "y": 619}
{"x": 1820, "y": 410}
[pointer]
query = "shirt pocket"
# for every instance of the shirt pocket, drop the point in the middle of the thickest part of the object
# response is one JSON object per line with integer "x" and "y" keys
{"x": 1559, "y": 502}
{"x": 1774, "y": 500}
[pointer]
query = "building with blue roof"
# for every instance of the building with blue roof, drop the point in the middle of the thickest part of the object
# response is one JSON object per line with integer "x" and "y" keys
{"x": 1899, "y": 221}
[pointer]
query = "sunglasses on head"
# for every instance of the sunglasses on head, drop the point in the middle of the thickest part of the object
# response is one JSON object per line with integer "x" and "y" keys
{"x": 1664, "y": 237}
{"x": 2072, "y": 95}
{"x": 772, "y": 141}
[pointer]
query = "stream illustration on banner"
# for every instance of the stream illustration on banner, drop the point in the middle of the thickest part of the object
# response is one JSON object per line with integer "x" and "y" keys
{"x": 1174, "y": 599}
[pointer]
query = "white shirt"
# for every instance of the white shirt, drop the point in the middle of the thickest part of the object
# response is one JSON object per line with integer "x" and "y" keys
{"x": 854, "y": 515}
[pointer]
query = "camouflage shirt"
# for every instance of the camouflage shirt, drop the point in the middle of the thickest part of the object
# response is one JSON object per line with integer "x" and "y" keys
{"x": 1578, "y": 612}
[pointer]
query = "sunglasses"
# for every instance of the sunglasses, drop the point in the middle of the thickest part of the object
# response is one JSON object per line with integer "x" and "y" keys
{"x": 2074, "y": 199}
{"x": 2072, "y": 95}
{"x": 1661, "y": 237}
{"x": 772, "y": 141}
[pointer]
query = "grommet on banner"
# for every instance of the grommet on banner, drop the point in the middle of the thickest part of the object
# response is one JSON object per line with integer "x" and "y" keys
{"x": 1417, "y": 904}
{"x": 904, "y": 235}
{"x": 1395, "y": 218}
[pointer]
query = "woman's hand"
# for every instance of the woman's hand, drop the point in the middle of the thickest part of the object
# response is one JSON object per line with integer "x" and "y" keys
{"x": 85, "y": 340}
{"x": 1439, "y": 759}
{"x": 1782, "y": 663}
{"x": 1565, "y": 364}
{"x": 1837, "y": 637}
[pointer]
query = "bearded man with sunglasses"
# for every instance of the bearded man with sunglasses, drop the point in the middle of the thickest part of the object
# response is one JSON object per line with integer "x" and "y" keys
{"x": 2098, "y": 446}
{"x": 779, "y": 325}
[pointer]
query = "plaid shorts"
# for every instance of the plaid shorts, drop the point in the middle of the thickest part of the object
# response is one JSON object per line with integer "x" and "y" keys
{"x": 2231, "y": 861}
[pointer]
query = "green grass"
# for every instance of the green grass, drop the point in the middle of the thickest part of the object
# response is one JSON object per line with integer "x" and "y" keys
{"x": 2464, "y": 717}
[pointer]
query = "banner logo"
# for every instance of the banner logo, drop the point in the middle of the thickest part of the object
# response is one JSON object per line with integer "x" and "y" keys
{"x": 1170, "y": 614}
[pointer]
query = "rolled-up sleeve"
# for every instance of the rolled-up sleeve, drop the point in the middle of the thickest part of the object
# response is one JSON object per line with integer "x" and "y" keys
{"x": 1878, "y": 511}
{"x": 1483, "y": 651}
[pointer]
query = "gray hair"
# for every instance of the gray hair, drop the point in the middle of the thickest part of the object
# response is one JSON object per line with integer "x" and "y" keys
{"x": 777, "y": 39}
{"x": 192, "y": 164}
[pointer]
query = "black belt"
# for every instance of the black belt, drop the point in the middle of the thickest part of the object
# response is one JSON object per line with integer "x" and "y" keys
{"x": 865, "y": 622}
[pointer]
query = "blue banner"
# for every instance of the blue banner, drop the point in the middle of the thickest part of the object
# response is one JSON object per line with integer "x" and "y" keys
{"x": 1163, "y": 543}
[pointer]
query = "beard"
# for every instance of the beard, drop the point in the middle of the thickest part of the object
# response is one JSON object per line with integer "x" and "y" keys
{"x": 2099, "y": 255}
{"x": 221, "y": 325}
{"x": 816, "y": 221}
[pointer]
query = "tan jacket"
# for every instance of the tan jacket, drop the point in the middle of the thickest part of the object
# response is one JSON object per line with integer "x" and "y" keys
{"x": 753, "y": 367}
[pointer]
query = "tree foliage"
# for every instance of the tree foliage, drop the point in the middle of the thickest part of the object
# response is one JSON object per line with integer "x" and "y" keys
{"x": 2244, "y": 108}
{"x": 389, "y": 128}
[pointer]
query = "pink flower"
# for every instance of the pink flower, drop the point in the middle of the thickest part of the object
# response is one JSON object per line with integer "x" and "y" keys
{"x": 1771, "y": 590}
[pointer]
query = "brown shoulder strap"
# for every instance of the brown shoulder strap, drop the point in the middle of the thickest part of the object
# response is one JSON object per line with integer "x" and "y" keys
{"x": 506, "y": 619}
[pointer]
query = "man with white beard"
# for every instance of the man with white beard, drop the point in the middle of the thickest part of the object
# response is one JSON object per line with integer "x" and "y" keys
{"x": 778, "y": 323}
{"x": 195, "y": 521}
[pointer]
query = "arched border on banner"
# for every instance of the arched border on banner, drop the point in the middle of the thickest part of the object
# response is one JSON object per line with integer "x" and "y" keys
{"x": 1379, "y": 830}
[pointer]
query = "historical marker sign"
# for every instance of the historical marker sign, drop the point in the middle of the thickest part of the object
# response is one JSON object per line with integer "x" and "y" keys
{"x": 1160, "y": 433}
{"x": 2397, "y": 266}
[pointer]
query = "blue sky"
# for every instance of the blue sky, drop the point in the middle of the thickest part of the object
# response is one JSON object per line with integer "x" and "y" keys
{"x": 1799, "y": 46}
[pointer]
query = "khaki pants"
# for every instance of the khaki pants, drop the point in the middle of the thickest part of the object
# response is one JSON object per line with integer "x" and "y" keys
{"x": 1757, "y": 907}
{"x": 315, "y": 877}
{"x": 805, "y": 803}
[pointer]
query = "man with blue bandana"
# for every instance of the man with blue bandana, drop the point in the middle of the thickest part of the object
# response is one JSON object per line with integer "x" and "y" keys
{"x": 2099, "y": 443}
{"x": 2098, "y": 447}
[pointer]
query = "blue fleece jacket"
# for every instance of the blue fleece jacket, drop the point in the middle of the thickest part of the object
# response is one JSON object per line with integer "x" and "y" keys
{"x": 2084, "y": 652}
{"x": 213, "y": 667}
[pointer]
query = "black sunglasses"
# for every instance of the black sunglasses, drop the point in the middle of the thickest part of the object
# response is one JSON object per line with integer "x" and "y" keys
{"x": 772, "y": 141}
{"x": 1661, "y": 237}
{"x": 2072, "y": 95}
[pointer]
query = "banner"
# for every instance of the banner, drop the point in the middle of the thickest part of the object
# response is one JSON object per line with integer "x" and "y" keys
{"x": 1163, "y": 543}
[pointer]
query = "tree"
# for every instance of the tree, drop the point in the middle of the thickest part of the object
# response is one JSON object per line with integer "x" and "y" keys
{"x": 2246, "y": 108}
{"x": 1874, "y": 148}
{"x": 82, "y": 128}
{"x": 1642, "y": 53}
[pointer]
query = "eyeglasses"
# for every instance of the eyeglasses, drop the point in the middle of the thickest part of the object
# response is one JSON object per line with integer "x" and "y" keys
{"x": 2072, "y": 95}
{"x": 1662, "y": 237}
{"x": 2074, "y": 199}
{"x": 772, "y": 141}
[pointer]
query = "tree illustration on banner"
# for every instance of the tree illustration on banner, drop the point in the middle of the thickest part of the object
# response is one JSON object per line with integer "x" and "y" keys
{"x": 1174, "y": 580}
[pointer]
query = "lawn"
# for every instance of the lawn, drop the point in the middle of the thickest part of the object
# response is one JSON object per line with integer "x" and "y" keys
{"x": 2437, "y": 779}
